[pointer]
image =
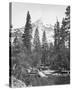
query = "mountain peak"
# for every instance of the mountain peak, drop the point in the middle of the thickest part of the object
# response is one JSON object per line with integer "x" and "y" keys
{"x": 38, "y": 23}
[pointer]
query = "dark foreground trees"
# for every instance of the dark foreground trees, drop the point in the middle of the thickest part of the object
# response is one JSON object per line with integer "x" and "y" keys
{"x": 36, "y": 41}
{"x": 27, "y": 32}
{"x": 56, "y": 56}
{"x": 62, "y": 43}
{"x": 44, "y": 49}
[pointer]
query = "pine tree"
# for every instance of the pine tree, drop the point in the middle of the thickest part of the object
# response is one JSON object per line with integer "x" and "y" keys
{"x": 57, "y": 35}
{"x": 36, "y": 41}
{"x": 65, "y": 37}
{"x": 16, "y": 45}
{"x": 44, "y": 49}
{"x": 62, "y": 34}
{"x": 67, "y": 18}
{"x": 27, "y": 32}
{"x": 67, "y": 27}
{"x": 44, "y": 41}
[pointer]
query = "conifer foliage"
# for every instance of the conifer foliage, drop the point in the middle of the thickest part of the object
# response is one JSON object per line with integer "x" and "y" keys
{"x": 32, "y": 62}
{"x": 36, "y": 41}
{"x": 44, "y": 41}
{"x": 57, "y": 35}
{"x": 65, "y": 28}
{"x": 67, "y": 25}
{"x": 44, "y": 49}
{"x": 27, "y": 32}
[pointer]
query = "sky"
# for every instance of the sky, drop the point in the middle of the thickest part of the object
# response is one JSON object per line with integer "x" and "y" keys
{"x": 47, "y": 13}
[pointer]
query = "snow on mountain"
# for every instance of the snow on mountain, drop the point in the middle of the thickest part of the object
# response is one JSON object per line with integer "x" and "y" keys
{"x": 49, "y": 29}
{"x": 17, "y": 32}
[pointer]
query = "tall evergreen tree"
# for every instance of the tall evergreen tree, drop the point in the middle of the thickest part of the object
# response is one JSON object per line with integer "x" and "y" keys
{"x": 16, "y": 46}
{"x": 27, "y": 32}
{"x": 57, "y": 35}
{"x": 36, "y": 41}
{"x": 65, "y": 37}
{"x": 65, "y": 28}
{"x": 62, "y": 34}
{"x": 44, "y": 49}
{"x": 44, "y": 41}
{"x": 67, "y": 18}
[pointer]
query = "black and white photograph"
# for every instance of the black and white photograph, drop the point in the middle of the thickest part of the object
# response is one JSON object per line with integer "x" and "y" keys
{"x": 39, "y": 44}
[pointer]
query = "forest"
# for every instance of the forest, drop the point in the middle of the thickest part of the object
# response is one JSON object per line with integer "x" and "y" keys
{"x": 35, "y": 63}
